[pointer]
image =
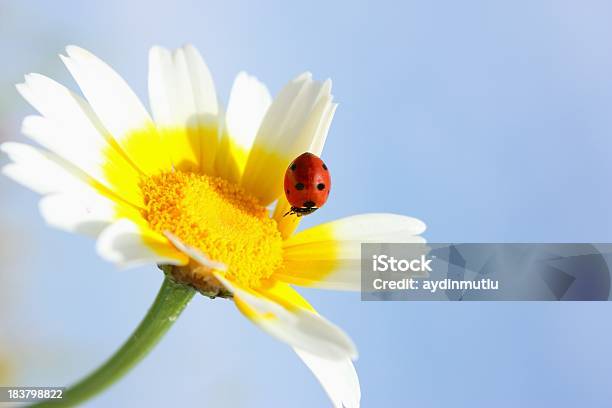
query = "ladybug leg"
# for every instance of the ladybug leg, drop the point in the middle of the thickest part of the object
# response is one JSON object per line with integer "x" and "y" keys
{"x": 291, "y": 212}
{"x": 297, "y": 211}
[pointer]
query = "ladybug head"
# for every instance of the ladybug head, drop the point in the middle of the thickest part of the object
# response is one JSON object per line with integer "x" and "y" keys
{"x": 301, "y": 211}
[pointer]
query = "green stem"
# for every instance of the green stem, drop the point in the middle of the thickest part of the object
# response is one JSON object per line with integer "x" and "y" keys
{"x": 169, "y": 303}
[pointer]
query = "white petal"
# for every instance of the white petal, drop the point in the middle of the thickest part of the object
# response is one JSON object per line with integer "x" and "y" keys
{"x": 74, "y": 147}
{"x": 171, "y": 90}
{"x": 162, "y": 86}
{"x": 337, "y": 377}
{"x": 69, "y": 128}
{"x": 248, "y": 103}
{"x": 379, "y": 227}
{"x": 58, "y": 103}
{"x": 297, "y": 121}
{"x": 206, "y": 105}
{"x": 128, "y": 244}
{"x": 184, "y": 104}
{"x": 321, "y": 134}
{"x": 110, "y": 96}
{"x": 98, "y": 161}
{"x": 86, "y": 212}
{"x": 297, "y": 326}
{"x": 202, "y": 84}
{"x": 41, "y": 171}
{"x": 194, "y": 253}
{"x": 328, "y": 256}
{"x": 119, "y": 110}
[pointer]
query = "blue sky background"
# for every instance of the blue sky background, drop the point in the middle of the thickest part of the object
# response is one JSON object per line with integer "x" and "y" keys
{"x": 491, "y": 121}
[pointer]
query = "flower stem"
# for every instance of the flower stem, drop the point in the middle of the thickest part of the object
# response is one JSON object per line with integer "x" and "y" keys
{"x": 168, "y": 305}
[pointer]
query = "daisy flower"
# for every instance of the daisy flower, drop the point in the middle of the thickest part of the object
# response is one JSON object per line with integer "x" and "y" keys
{"x": 190, "y": 186}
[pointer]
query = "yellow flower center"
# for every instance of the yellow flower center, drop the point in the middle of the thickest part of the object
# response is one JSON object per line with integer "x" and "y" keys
{"x": 217, "y": 217}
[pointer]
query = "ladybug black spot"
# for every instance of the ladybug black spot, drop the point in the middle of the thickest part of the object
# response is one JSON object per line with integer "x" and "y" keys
{"x": 309, "y": 204}
{"x": 299, "y": 186}
{"x": 324, "y": 167}
{"x": 288, "y": 191}
{"x": 320, "y": 186}
{"x": 293, "y": 166}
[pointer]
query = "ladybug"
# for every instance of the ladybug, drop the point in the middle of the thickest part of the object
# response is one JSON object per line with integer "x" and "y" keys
{"x": 307, "y": 184}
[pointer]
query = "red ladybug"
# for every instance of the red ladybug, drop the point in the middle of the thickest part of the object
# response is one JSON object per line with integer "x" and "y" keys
{"x": 307, "y": 184}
